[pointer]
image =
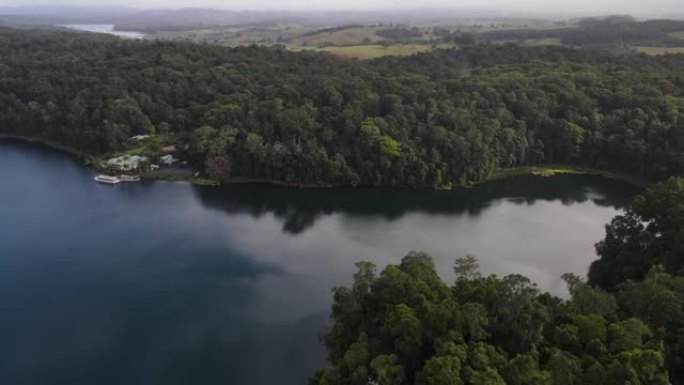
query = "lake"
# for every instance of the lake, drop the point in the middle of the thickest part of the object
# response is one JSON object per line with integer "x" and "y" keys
{"x": 104, "y": 28}
{"x": 168, "y": 283}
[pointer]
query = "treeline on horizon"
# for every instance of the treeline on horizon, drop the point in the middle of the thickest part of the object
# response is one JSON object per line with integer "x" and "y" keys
{"x": 625, "y": 325}
{"x": 435, "y": 119}
{"x": 609, "y": 32}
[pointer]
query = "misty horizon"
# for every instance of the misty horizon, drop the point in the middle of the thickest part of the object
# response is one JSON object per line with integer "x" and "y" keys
{"x": 468, "y": 8}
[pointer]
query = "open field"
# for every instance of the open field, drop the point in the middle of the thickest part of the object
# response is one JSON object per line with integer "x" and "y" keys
{"x": 540, "y": 42}
{"x": 365, "y": 52}
{"x": 654, "y": 51}
{"x": 373, "y": 40}
{"x": 347, "y": 36}
{"x": 291, "y": 34}
{"x": 484, "y": 25}
{"x": 234, "y": 36}
{"x": 296, "y": 34}
{"x": 531, "y": 42}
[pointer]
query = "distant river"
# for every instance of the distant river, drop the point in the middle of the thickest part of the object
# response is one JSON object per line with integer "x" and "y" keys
{"x": 104, "y": 28}
{"x": 168, "y": 283}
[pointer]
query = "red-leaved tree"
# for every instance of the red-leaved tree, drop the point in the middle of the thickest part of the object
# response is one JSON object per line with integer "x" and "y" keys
{"x": 218, "y": 168}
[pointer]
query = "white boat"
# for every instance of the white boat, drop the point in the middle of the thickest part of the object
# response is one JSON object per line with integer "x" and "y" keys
{"x": 129, "y": 178}
{"x": 107, "y": 179}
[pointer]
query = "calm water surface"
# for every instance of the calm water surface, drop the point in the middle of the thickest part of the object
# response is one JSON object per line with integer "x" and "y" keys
{"x": 167, "y": 283}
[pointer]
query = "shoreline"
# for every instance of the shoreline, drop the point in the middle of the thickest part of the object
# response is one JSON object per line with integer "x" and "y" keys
{"x": 87, "y": 159}
{"x": 536, "y": 170}
{"x": 560, "y": 169}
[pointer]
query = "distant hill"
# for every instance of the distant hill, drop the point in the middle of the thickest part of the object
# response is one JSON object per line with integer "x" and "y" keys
{"x": 601, "y": 31}
{"x": 92, "y": 14}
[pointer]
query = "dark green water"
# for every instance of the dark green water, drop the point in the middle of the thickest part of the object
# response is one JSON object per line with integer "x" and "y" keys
{"x": 166, "y": 283}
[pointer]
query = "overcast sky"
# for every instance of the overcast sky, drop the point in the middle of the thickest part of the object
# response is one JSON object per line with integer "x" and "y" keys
{"x": 658, "y": 7}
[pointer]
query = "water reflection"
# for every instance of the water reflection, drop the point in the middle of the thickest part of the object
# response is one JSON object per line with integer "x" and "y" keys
{"x": 104, "y": 28}
{"x": 299, "y": 209}
{"x": 137, "y": 317}
{"x": 166, "y": 283}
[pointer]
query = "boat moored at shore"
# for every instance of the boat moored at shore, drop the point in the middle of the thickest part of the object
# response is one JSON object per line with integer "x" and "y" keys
{"x": 107, "y": 179}
{"x": 129, "y": 178}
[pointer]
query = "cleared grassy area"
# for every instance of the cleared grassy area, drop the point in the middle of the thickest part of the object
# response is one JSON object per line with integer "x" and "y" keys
{"x": 235, "y": 36}
{"x": 558, "y": 169}
{"x": 484, "y": 25}
{"x": 541, "y": 42}
{"x": 298, "y": 34}
{"x": 655, "y": 51}
{"x": 365, "y": 52}
{"x": 349, "y": 36}
{"x": 532, "y": 42}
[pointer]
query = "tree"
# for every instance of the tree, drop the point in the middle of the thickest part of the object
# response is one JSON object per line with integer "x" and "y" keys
{"x": 404, "y": 326}
{"x": 467, "y": 268}
{"x": 404, "y": 331}
{"x": 387, "y": 370}
{"x": 355, "y": 362}
{"x": 649, "y": 233}
{"x": 524, "y": 370}
{"x": 218, "y": 168}
{"x": 588, "y": 299}
{"x": 627, "y": 335}
{"x": 488, "y": 376}
{"x": 440, "y": 370}
{"x": 439, "y": 119}
{"x": 126, "y": 112}
{"x": 658, "y": 299}
{"x": 565, "y": 368}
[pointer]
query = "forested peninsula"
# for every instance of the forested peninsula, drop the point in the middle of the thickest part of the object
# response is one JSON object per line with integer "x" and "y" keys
{"x": 438, "y": 119}
{"x": 624, "y": 326}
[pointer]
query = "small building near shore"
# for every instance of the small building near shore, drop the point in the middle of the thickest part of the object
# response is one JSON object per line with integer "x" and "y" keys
{"x": 125, "y": 163}
{"x": 138, "y": 138}
{"x": 168, "y": 160}
{"x": 169, "y": 149}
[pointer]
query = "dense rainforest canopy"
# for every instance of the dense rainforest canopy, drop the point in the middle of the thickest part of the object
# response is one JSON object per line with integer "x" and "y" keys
{"x": 434, "y": 119}
{"x": 406, "y": 326}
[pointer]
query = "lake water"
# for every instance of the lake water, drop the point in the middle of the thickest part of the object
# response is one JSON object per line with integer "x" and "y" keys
{"x": 168, "y": 283}
{"x": 104, "y": 28}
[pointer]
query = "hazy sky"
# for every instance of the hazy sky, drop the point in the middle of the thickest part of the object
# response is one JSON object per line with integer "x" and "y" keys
{"x": 660, "y": 7}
